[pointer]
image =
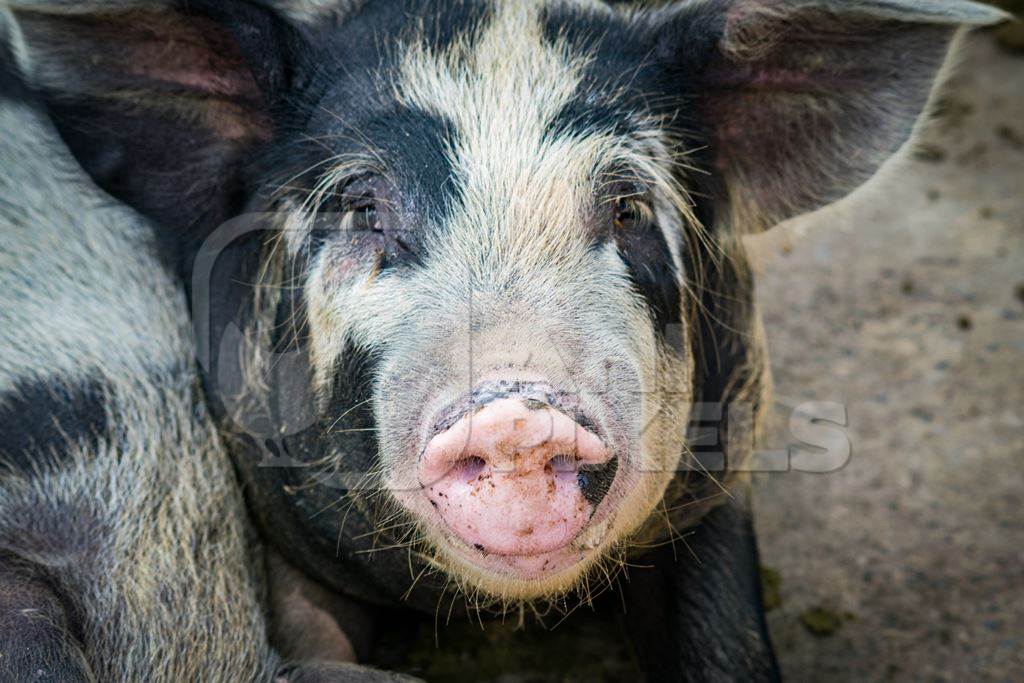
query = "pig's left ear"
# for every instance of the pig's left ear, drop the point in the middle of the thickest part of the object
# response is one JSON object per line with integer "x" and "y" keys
{"x": 803, "y": 100}
{"x": 162, "y": 101}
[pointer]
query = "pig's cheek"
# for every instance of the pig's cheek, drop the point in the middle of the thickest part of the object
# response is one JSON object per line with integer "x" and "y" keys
{"x": 344, "y": 268}
{"x": 359, "y": 260}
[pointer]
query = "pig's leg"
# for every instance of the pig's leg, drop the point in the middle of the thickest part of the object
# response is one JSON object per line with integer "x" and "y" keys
{"x": 703, "y": 619}
{"x": 338, "y": 673}
{"x": 307, "y": 620}
{"x": 36, "y": 638}
{"x": 318, "y": 631}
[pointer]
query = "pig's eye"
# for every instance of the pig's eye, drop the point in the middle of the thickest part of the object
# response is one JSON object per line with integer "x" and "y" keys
{"x": 626, "y": 213}
{"x": 361, "y": 205}
{"x": 629, "y": 212}
{"x": 364, "y": 217}
{"x": 627, "y": 206}
{"x": 369, "y": 211}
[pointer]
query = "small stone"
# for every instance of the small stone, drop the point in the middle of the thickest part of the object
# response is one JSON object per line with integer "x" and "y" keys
{"x": 964, "y": 322}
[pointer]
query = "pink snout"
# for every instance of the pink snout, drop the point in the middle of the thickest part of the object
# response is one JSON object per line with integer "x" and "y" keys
{"x": 507, "y": 480}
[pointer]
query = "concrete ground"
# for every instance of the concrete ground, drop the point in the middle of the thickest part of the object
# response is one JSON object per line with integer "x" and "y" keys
{"x": 906, "y": 304}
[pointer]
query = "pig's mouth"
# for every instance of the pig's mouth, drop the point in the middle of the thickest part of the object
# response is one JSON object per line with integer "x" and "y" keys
{"x": 541, "y": 565}
{"x": 519, "y": 484}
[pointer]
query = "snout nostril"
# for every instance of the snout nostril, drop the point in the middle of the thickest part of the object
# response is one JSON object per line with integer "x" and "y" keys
{"x": 563, "y": 462}
{"x": 595, "y": 480}
{"x": 470, "y": 468}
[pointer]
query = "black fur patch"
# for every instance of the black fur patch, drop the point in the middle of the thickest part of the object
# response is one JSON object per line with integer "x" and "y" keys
{"x": 415, "y": 144}
{"x": 647, "y": 256}
{"x": 348, "y": 422}
{"x": 10, "y": 85}
{"x": 412, "y": 145}
{"x": 43, "y": 634}
{"x": 703, "y": 620}
{"x": 363, "y": 43}
{"x": 41, "y": 419}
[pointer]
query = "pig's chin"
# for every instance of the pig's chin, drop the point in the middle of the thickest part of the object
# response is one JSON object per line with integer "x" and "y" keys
{"x": 537, "y": 572}
{"x": 515, "y": 576}
{"x": 542, "y": 563}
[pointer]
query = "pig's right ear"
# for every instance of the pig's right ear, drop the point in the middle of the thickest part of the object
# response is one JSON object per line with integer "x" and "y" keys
{"x": 162, "y": 102}
{"x": 803, "y": 100}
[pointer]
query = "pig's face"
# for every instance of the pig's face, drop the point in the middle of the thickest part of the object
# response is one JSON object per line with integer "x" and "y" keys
{"x": 503, "y": 249}
{"x": 508, "y": 255}
{"x": 504, "y": 255}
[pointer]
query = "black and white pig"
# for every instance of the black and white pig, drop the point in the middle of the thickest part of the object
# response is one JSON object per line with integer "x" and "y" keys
{"x": 102, "y": 573}
{"x": 465, "y": 272}
{"x": 126, "y": 553}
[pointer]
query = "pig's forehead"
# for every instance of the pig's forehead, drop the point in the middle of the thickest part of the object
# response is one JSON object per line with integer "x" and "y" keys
{"x": 503, "y": 89}
{"x": 535, "y": 95}
{"x": 488, "y": 73}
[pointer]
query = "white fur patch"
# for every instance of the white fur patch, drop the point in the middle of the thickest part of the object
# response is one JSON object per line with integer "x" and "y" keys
{"x": 524, "y": 190}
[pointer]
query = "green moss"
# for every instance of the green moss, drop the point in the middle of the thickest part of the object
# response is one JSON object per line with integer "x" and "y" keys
{"x": 824, "y": 622}
{"x": 771, "y": 585}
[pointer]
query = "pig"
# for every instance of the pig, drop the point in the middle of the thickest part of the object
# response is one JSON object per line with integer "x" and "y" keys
{"x": 126, "y": 551}
{"x": 101, "y": 572}
{"x": 464, "y": 275}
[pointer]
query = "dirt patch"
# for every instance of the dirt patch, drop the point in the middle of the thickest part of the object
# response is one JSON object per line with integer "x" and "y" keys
{"x": 921, "y": 338}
